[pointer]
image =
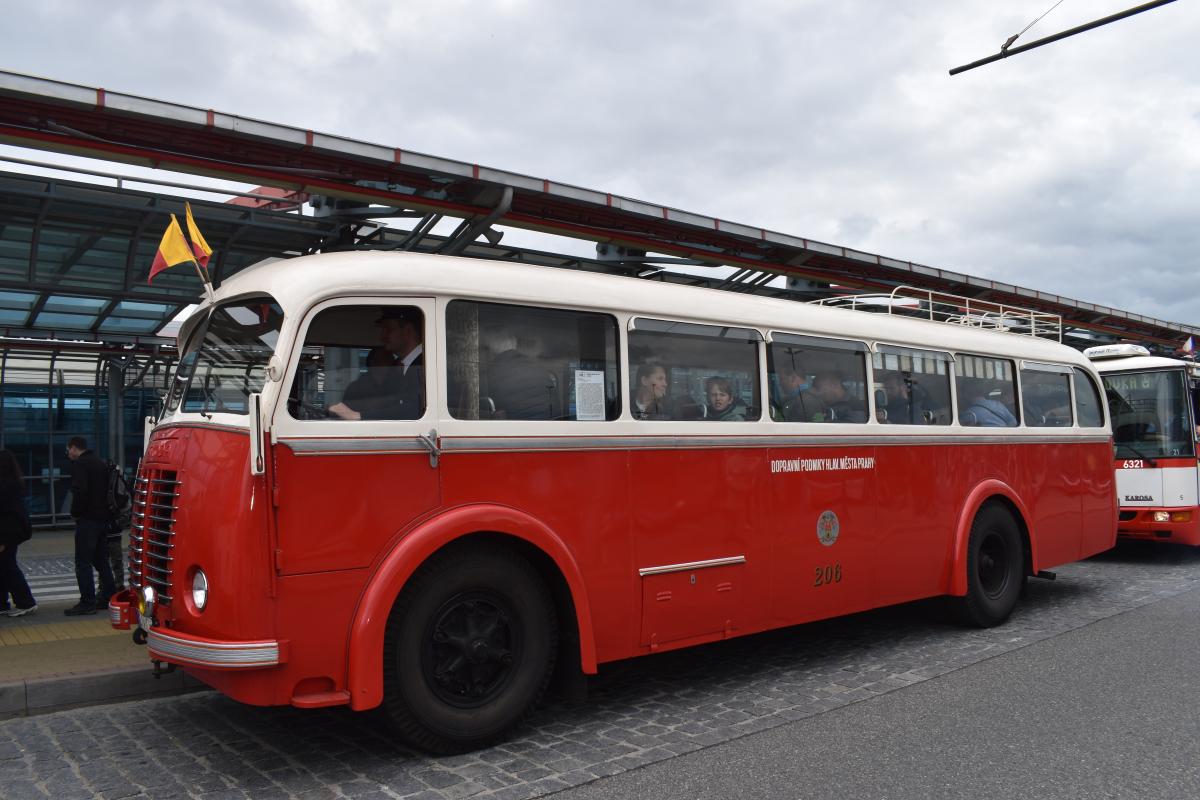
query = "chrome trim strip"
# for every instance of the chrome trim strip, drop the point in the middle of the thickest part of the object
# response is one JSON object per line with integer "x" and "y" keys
{"x": 227, "y": 655}
{"x": 356, "y": 446}
{"x": 207, "y": 426}
{"x": 712, "y": 562}
{"x": 114, "y": 615}
{"x": 465, "y": 444}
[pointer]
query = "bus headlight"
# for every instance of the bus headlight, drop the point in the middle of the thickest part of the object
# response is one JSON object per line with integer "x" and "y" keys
{"x": 1162, "y": 516}
{"x": 199, "y": 589}
{"x": 146, "y": 606}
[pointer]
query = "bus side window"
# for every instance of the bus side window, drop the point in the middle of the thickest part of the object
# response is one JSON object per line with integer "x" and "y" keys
{"x": 915, "y": 385}
{"x": 526, "y": 363}
{"x": 1087, "y": 400}
{"x": 987, "y": 389}
{"x": 1046, "y": 396}
{"x": 817, "y": 380}
{"x": 361, "y": 363}
{"x": 687, "y": 371}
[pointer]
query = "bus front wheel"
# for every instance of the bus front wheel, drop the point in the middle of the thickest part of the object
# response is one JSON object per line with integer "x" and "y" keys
{"x": 995, "y": 568}
{"x": 469, "y": 649}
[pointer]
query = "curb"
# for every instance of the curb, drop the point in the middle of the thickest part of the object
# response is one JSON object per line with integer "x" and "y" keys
{"x": 34, "y": 696}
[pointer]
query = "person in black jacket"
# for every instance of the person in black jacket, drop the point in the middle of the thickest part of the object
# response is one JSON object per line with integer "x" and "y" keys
{"x": 89, "y": 507}
{"x": 14, "y": 529}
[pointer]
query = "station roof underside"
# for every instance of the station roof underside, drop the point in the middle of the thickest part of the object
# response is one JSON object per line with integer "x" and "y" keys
{"x": 66, "y": 118}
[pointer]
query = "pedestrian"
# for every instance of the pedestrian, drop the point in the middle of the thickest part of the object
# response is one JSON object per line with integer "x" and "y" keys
{"x": 89, "y": 507}
{"x": 14, "y": 529}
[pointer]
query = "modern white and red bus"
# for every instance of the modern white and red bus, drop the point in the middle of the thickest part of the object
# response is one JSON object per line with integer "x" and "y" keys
{"x": 577, "y": 468}
{"x": 1153, "y": 403}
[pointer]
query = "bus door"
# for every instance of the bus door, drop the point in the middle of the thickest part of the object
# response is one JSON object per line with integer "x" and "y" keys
{"x": 353, "y": 433}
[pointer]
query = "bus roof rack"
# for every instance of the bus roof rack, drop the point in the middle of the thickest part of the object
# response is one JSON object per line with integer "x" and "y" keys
{"x": 953, "y": 309}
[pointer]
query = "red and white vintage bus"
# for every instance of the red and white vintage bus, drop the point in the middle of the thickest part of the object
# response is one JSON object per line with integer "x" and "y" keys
{"x": 572, "y": 469}
{"x": 1153, "y": 403}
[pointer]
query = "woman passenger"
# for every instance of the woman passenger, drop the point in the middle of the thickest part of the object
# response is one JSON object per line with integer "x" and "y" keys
{"x": 723, "y": 405}
{"x": 650, "y": 392}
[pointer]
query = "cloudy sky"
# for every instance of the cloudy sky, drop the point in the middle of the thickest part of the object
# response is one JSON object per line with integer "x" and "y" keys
{"x": 1073, "y": 168}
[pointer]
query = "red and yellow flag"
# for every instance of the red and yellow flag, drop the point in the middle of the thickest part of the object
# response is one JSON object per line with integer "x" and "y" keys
{"x": 199, "y": 247}
{"x": 172, "y": 250}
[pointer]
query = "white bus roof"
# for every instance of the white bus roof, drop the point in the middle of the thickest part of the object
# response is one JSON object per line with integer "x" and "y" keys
{"x": 1141, "y": 364}
{"x": 301, "y": 282}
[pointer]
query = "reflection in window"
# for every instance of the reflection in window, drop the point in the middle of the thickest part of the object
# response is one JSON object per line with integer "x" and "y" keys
{"x": 226, "y": 358}
{"x": 1046, "y": 397}
{"x": 986, "y": 391}
{"x": 1149, "y": 412}
{"x": 685, "y": 371}
{"x": 361, "y": 363}
{"x": 524, "y": 363}
{"x": 1087, "y": 401}
{"x": 817, "y": 380}
{"x": 912, "y": 386}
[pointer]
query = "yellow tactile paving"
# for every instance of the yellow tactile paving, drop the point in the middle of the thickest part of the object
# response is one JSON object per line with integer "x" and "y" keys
{"x": 18, "y": 632}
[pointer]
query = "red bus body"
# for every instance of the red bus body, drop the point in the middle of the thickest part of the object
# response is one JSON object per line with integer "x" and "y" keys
{"x": 664, "y": 538}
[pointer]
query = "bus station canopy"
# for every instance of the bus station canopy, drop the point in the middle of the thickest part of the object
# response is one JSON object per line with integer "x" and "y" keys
{"x": 376, "y": 180}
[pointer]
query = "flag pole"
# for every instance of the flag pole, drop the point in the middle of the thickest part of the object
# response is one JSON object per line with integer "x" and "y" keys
{"x": 204, "y": 279}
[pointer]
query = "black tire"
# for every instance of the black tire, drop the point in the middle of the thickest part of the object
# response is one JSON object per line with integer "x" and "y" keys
{"x": 469, "y": 649}
{"x": 995, "y": 568}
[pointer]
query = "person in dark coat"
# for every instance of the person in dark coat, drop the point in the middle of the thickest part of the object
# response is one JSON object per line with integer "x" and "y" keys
{"x": 400, "y": 339}
{"x": 517, "y": 384}
{"x": 89, "y": 507}
{"x": 14, "y": 529}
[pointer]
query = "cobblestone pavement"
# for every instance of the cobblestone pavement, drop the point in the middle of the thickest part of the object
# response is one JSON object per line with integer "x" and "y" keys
{"x": 640, "y": 712}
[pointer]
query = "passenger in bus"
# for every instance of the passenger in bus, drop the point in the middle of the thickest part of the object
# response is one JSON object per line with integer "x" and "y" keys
{"x": 907, "y": 401}
{"x": 836, "y": 403}
{"x": 992, "y": 410}
{"x": 723, "y": 404}
{"x": 371, "y": 395}
{"x": 650, "y": 392}
{"x": 789, "y": 406}
{"x": 519, "y": 387}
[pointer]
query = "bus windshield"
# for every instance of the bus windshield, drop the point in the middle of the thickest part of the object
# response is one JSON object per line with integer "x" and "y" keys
{"x": 225, "y": 359}
{"x": 1150, "y": 414}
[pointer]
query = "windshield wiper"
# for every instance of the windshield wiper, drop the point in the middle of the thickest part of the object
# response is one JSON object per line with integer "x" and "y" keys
{"x": 1148, "y": 459}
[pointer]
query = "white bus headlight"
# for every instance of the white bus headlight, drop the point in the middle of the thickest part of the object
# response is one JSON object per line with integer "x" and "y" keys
{"x": 199, "y": 589}
{"x": 146, "y": 607}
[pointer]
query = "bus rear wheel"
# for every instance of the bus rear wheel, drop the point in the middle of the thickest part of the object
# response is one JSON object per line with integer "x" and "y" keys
{"x": 995, "y": 568}
{"x": 469, "y": 649}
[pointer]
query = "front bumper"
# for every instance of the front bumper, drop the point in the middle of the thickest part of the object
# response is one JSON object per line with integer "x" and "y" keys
{"x": 1138, "y": 523}
{"x": 180, "y": 648}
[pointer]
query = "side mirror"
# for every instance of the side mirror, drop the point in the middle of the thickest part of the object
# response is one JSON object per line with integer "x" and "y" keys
{"x": 258, "y": 458}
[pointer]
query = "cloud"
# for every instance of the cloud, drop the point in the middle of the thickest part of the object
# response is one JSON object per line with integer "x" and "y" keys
{"x": 1074, "y": 168}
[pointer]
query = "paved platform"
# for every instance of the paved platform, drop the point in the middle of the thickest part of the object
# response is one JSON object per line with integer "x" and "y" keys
{"x": 49, "y": 661}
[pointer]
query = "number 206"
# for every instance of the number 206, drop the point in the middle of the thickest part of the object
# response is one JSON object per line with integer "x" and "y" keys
{"x": 827, "y": 575}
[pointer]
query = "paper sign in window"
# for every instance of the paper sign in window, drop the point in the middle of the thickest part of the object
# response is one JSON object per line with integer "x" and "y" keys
{"x": 589, "y": 394}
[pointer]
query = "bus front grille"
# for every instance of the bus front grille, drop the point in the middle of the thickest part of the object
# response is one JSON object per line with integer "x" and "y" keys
{"x": 151, "y": 535}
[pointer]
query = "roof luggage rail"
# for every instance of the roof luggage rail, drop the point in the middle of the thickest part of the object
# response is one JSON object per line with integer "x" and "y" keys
{"x": 952, "y": 309}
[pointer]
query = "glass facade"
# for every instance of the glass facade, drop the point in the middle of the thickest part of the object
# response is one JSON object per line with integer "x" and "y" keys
{"x": 48, "y": 396}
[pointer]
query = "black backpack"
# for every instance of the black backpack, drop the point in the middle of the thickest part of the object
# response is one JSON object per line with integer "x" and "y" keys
{"x": 120, "y": 511}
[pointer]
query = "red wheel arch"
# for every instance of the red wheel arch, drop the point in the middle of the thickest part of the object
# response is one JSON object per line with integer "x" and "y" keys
{"x": 980, "y": 495}
{"x": 365, "y": 670}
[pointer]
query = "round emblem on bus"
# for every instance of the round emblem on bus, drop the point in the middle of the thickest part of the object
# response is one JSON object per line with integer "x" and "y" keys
{"x": 827, "y": 528}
